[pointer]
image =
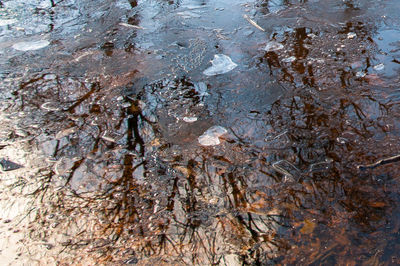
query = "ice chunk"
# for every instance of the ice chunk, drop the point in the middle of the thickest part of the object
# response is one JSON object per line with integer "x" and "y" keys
{"x": 248, "y": 32}
{"x": 30, "y": 46}
{"x": 379, "y": 67}
{"x": 273, "y": 46}
{"x": 191, "y": 7}
{"x": 351, "y": 35}
{"x": 201, "y": 88}
{"x": 5, "y": 22}
{"x": 188, "y": 119}
{"x": 188, "y": 14}
{"x": 360, "y": 74}
{"x": 51, "y": 106}
{"x": 221, "y": 64}
{"x": 211, "y": 136}
{"x": 289, "y": 59}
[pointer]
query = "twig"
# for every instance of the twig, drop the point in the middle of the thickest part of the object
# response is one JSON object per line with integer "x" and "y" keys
{"x": 380, "y": 162}
{"x": 131, "y": 26}
{"x": 252, "y": 22}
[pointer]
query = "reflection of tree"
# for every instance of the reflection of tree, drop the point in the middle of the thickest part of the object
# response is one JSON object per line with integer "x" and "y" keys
{"x": 148, "y": 199}
{"x": 332, "y": 119}
{"x": 197, "y": 206}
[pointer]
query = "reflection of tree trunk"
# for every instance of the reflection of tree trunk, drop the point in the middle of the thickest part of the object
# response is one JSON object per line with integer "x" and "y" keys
{"x": 133, "y": 127}
{"x": 133, "y": 3}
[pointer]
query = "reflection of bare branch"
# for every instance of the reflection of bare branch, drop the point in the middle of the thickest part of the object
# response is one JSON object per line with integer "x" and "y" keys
{"x": 94, "y": 88}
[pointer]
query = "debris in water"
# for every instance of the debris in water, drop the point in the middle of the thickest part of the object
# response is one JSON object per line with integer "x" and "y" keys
{"x": 289, "y": 59}
{"x": 308, "y": 227}
{"x": 278, "y": 142}
{"x": 5, "y": 22}
{"x": 273, "y": 46}
{"x": 392, "y": 159}
{"x": 66, "y": 132}
{"x": 131, "y": 26}
{"x": 188, "y": 14}
{"x": 290, "y": 171}
{"x": 7, "y": 165}
{"x": 351, "y": 35}
{"x": 191, "y": 7}
{"x": 63, "y": 166}
{"x": 107, "y": 138}
{"x": 190, "y": 119}
{"x": 248, "y": 32}
{"x": 221, "y": 64}
{"x": 211, "y": 136}
{"x": 30, "y": 46}
{"x": 360, "y": 74}
{"x": 321, "y": 166}
{"x": 252, "y": 22}
{"x": 201, "y": 89}
{"x": 50, "y": 106}
{"x": 379, "y": 67}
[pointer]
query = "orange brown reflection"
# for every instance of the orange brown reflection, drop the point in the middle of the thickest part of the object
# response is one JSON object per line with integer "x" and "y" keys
{"x": 334, "y": 120}
{"x": 123, "y": 189}
{"x": 128, "y": 186}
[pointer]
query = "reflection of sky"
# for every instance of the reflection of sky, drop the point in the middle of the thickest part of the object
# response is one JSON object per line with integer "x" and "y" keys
{"x": 274, "y": 6}
{"x": 388, "y": 41}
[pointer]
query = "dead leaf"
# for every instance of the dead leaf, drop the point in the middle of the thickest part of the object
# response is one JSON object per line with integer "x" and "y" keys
{"x": 184, "y": 170}
{"x": 374, "y": 79}
{"x": 155, "y": 142}
{"x": 308, "y": 227}
{"x": 377, "y": 204}
{"x": 66, "y": 132}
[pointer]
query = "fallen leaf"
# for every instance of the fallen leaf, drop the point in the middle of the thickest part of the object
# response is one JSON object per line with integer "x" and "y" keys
{"x": 377, "y": 204}
{"x": 66, "y": 132}
{"x": 374, "y": 79}
{"x": 308, "y": 227}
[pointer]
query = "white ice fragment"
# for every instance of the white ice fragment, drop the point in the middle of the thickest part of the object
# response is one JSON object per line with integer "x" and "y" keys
{"x": 351, "y": 35}
{"x": 360, "y": 74}
{"x": 221, "y": 64}
{"x": 289, "y": 59}
{"x": 49, "y": 77}
{"x": 211, "y": 136}
{"x": 66, "y": 132}
{"x": 273, "y": 46}
{"x": 5, "y": 22}
{"x": 188, "y": 14}
{"x": 311, "y": 35}
{"x": 50, "y": 106}
{"x": 248, "y": 32}
{"x": 190, "y": 119}
{"x": 201, "y": 89}
{"x": 379, "y": 67}
{"x": 191, "y": 7}
{"x": 30, "y": 46}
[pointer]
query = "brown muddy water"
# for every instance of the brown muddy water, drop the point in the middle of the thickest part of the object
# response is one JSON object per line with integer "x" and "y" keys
{"x": 122, "y": 143}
